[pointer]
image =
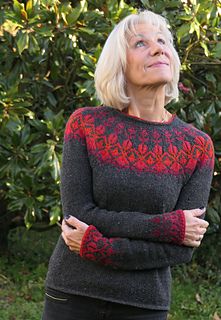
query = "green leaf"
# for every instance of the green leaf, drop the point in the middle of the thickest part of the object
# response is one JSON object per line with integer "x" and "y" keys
{"x": 55, "y": 167}
{"x": 22, "y": 42}
{"x": 55, "y": 215}
{"x": 27, "y": 182}
{"x": 86, "y": 30}
{"x": 64, "y": 18}
{"x": 185, "y": 17}
{"x": 211, "y": 110}
{"x": 29, "y": 217}
{"x": 33, "y": 44}
{"x": 217, "y": 127}
{"x": 29, "y": 6}
{"x": 217, "y": 51}
{"x": 192, "y": 27}
{"x": 201, "y": 92}
{"x": 83, "y": 4}
{"x": 17, "y": 6}
{"x": 213, "y": 215}
{"x": 183, "y": 31}
{"x": 24, "y": 14}
{"x": 52, "y": 99}
{"x": 25, "y": 135}
{"x": 39, "y": 148}
{"x": 199, "y": 118}
{"x": 74, "y": 15}
{"x": 211, "y": 78}
{"x": 204, "y": 46}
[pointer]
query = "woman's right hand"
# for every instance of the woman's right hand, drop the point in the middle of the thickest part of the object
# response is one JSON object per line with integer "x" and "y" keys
{"x": 195, "y": 227}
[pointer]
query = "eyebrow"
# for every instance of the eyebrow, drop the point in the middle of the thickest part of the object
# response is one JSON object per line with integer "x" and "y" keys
{"x": 143, "y": 36}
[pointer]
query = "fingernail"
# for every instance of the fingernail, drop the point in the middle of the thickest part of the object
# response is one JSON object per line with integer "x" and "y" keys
{"x": 67, "y": 216}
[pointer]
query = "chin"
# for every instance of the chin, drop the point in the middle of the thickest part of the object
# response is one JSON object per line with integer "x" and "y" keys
{"x": 160, "y": 80}
{"x": 158, "y": 83}
{"x": 159, "y": 76}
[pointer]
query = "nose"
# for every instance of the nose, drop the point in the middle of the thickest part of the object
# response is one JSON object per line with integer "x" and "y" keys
{"x": 156, "y": 48}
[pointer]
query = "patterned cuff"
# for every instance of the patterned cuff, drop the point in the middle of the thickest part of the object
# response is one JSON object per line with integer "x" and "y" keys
{"x": 85, "y": 239}
{"x": 183, "y": 225}
{"x": 95, "y": 247}
{"x": 178, "y": 227}
{"x": 169, "y": 227}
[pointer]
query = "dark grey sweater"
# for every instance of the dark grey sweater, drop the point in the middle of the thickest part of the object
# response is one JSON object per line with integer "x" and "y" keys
{"x": 129, "y": 179}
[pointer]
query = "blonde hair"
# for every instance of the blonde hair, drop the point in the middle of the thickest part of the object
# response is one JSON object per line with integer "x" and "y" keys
{"x": 110, "y": 82}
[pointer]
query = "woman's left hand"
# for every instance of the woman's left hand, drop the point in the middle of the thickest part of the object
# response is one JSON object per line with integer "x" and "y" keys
{"x": 73, "y": 231}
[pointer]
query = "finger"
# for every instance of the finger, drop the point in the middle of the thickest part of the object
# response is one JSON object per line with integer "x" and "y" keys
{"x": 64, "y": 227}
{"x": 192, "y": 244}
{"x": 76, "y": 223}
{"x": 73, "y": 221}
{"x": 196, "y": 244}
{"x": 199, "y": 238}
{"x": 70, "y": 242}
{"x": 198, "y": 212}
{"x": 64, "y": 238}
{"x": 203, "y": 231}
{"x": 74, "y": 249}
{"x": 68, "y": 232}
{"x": 63, "y": 223}
{"x": 204, "y": 223}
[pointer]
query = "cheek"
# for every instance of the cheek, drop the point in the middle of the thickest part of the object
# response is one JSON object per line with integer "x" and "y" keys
{"x": 129, "y": 57}
{"x": 169, "y": 55}
{"x": 171, "y": 68}
{"x": 131, "y": 62}
{"x": 134, "y": 58}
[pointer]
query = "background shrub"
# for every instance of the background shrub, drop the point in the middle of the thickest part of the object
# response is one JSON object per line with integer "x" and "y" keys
{"x": 48, "y": 52}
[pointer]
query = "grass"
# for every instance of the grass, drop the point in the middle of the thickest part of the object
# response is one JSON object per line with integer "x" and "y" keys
{"x": 195, "y": 301}
{"x": 22, "y": 274}
{"x": 196, "y": 293}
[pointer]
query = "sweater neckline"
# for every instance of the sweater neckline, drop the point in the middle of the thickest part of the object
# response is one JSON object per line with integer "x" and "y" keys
{"x": 134, "y": 118}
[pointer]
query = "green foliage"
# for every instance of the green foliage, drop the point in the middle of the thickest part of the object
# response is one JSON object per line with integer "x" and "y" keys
{"x": 23, "y": 272}
{"x": 195, "y": 301}
{"x": 48, "y": 53}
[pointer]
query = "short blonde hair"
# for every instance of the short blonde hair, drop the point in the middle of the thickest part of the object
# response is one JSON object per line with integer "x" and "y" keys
{"x": 110, "y": 82}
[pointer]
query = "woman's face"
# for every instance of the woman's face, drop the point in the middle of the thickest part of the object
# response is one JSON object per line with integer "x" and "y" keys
{"x": 148, "y": 58}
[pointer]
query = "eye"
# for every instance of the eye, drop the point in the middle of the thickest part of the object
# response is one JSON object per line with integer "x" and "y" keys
{"x": 161, "y": 40}
{"x": 139, "y": 44}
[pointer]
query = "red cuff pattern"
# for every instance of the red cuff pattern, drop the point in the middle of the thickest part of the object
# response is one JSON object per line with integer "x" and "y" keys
{"x": 169, "y": 228}
{"x": 96, "y": 247}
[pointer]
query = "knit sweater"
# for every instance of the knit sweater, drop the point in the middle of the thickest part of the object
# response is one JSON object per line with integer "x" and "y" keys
{"x": 130, "y": 180}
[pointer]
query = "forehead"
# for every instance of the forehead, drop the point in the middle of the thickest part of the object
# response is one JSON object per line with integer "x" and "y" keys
{"x": 144, "y": 29}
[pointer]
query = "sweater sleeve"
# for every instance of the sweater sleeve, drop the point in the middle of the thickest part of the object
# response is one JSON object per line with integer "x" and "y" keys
{"x": 138, "y": 254}
{"x": 126, "y": 254}
{"x": 77, "y": 198}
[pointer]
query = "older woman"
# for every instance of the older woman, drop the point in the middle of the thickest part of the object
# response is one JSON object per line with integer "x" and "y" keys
{"x": 135, "y": 184}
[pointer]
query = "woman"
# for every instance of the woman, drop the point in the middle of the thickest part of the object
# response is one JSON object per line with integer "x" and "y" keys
{"x": 135, "y": 183}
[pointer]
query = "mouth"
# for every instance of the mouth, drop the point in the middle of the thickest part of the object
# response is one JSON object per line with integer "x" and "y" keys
{"x": 158, "y": 64}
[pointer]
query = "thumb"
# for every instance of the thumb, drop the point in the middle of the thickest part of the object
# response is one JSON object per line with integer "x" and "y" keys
{"x": 199, "y": 212}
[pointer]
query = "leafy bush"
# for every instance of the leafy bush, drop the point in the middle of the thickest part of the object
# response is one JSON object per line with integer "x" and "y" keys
{"x": 48, "y": 54}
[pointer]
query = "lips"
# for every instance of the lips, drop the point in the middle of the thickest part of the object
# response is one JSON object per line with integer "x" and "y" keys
{"x": 158, "y": 64}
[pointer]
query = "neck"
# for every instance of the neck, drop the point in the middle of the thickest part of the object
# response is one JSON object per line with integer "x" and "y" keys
{"x": 148, "y": 104}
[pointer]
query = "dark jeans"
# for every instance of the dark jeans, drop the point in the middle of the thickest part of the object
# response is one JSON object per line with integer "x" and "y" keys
{"x": 62, "y": 306}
